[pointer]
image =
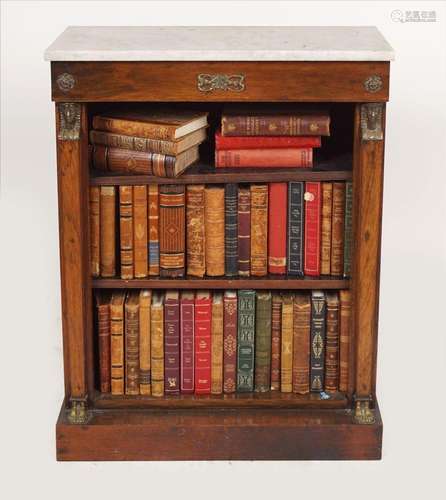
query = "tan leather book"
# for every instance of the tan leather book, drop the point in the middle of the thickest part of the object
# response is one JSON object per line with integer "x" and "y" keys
{"x": 94, "y": 230}
{"x": 276, "y": 342}
{"x": 259, "y": 229}
{"x": 195, "y": 230}
{"x": 157, "y": 343}
{"x": 126, "y": 231}
{"x": 337, "y": 228}
{"x": 108, "y": 231}
{"x": 301, "y": 342}
{"x": 217, "y": 344}
{"x": 132, "y": 343}
{"x": 345, "y": 318}
{"x": 103, "y": 331}
{"x": 153, "y": 229}
{"x": 145, "y": 302}
{"x": 327, "y": 202}
{"x": 140, "y": 231}
{"x": 215, "y": 230}
{"x": 286, "y": 375}
{"x": 117, "y": 342}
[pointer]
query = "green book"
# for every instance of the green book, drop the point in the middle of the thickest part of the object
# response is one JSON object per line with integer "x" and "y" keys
{"x": 348, "y": 229}
{"x": 245, "y": 340}
{"x": 262, "y": 376}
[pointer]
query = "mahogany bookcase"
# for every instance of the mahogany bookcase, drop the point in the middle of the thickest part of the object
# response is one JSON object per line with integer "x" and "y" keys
{"x": 345, "y": 68}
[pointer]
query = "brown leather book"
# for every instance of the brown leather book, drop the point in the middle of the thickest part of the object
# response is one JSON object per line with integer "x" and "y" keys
{"x": 301, "y": 343}
{"x": 157, "y": 343}
{"x": 140, "y": 231}
{"x": 117, "y": 341}
{"x": 345, "y": 300}
{"x": 332, "y": 343}
{"x": 195, "y": 227}
{"x": 153, "y": 229}
{"x": 327, "y": 202}
{"x": 145, "y": 302}
{"x": 95, "y": 230}
{"x": 217, "y": 344}
{"x": 230, "y": 320}
{"x": 172, "y": 231}
{"x": 126, "y": 231}
{"x": 286, "y": 375}
{"x": 132, "y": 343}
{"x": 259, "y": 230}
{"x": 215, "y": 230}
{"x": 337, "y": 225}
{"x": 172, "y": 342}
{"x": 244, "y": 231}
{"x": 276, "y": 340}
{"x": 103, "y": 315}
{"x": 108, "y": 231}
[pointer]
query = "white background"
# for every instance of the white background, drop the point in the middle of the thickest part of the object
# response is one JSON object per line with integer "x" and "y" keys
{"x": 411, "y": 365}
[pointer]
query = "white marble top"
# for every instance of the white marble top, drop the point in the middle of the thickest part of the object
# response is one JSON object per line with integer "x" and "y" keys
{"x": 220, "y": 43}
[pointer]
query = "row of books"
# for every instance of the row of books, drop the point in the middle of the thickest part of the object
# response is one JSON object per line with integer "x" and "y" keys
{"x": 156, "y": 343}
{"x": 299, "y": 229}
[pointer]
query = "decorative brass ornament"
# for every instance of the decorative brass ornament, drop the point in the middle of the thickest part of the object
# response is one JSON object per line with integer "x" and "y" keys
{"x": 78, "y": 413}
{"x": 208, "y": 83}
{"x": 373, "y": 84}
{"x": 65, "y": 82}
{"x": 69, "y": 121}
{"x": 363, "y": 413}
{"x": 372, "y": 121}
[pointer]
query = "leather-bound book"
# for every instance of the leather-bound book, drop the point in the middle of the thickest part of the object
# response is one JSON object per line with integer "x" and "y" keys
{"x": 195, "y": 229}
{"x": 277, "y": 227}
{"x": 229, "y": 341}
{"x": 276, "y": 340}
{"x": 327, "y": 202}
{"x": 259, "y": 230}
{"x": 117, "y": 341}
{"x": 231, "y": 232}
{"x": 153, "y": 229}
{"x": 172, "y": 231}
{"x": 317, "y": 339}
{"x": 172, "y": 342}
{"x": 265, "y": 142}
{"x": 301, "y": 342}
{"x": 337, "y": 236}
{"x": 348, "y": 229}
{"x": 108, "y": 231}
{"x": 126, "y": 231}
{"x": 157, "y": 343}
{"x": 312, "y": 252}
{"x": 244, "y": 231}
{"x": 145, "y": 302}
{"x": 332, "y": 343}
{"x": 344, "y": 337}
{"x": 203, "y": 319}
{"x": 217, "y": 344}
{"x": 262, "y": 377}
{"x": 241, "y": 158}
{"x": 295, "y": 244}
{"x": 95, "y": 234}
{"x": 215, "y": 230}
{"x": 103, "y": 315}
{"x": 286, "y": 355}
{"x": 246, "y": 340}
{"x": 140, "y": 231}
{"x": 132, "y": 343}
{"x": 187, "y": 339}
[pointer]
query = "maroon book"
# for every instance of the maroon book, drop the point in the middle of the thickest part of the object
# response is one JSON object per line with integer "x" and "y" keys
{"x": 229, "y": 341}
{"x": 187, "y": 342}
{"x": 244, "y": 231}
{"x": 266, "y": 142}
{"x": 203, "y": 318}
{"x": 172, "y": 343}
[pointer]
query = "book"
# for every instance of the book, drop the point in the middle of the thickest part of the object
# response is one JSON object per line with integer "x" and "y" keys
{"x": 195, "y": 229}
{"x": 348, "y": 229}
{"x": 140, "y": 220}
{"x": 153, "y": 229}
{"x": 244, "y": 230}
{"x": 132, "y": 343}
{"x": 217, "y": 344}
{"x": 171, "y": 342}
{"x": 231, "y": 234}
{"x": 145, "y": 302}
{"x": 301, "y": 342}
{"x": 203, "y": 318}
{"x": 312, "y": 252}
{"x": 277, "y": 227}
{"x": 295, "y": 235}
{"x": 317, "y": 339}
{"x": 215, "y": 230}
{"x": 157, "y": 344}
{"x": 126, "y": 231}
{"x": 94, "y": 219}
{"x": 246, "y": 340}
{"x": 265, "y": 142}
{"x": 229, "y": 341}
{"x": 259, "y": 229}
{"x": 337, "y": 235}
{"x": 262, "y": 375}
{"x": 172, "y": 230}
{"x": 276, "y": 340}
{"x": 286, "y": 355}
{"x": 151, "y": 123}
{"x": 103, "y": 322}
{"x": 187, "y": 338}
{"x": 108, "y": 232}
{"x": 117, "y": 341}
{"x": 290, "y": 157}
{"x": 345, "y": 306}
{"x": 327, "y": 202}
{"x": 332, "y": 343}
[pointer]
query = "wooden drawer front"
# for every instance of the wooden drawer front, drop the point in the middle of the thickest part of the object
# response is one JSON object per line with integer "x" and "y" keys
{"x": 220, "y": 81}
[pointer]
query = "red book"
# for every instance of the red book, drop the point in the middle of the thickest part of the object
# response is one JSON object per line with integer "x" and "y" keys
{"x": 265, "y": 142}
{"x": 172, "y": 343}
{"x": 203, "y": 317}
{"x": 286, "y": 157}
{"x": 187, "y": 342}
{"x": 277, "y": 227}
{"x": 229, "y": 341}
{"x": 312, "y": 197}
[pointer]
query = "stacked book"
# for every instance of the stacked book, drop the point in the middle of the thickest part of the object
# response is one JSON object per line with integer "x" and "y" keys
{"x": 166, "y": 343}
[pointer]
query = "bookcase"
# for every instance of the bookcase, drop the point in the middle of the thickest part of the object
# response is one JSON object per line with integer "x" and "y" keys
{"x": 344, "y": 69}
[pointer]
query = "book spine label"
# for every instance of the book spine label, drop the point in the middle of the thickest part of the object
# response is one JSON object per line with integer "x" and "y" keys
{"x": 244, "y": 231}
{"x": 259, "y": 230}
{"x": 195, "y": 224}
{"x": 187, "y": 346}
{"x": 262, "y": 376}
{"x": 231, "y": 234}
{"x": 131, "y": 349}
{"x": 301, "y": 343}
{"x": 272, "y": 125}
{"x": 94, "y": 216}
{"x": 157, "y": 349}
{"x": 108, "y": 232}
{"x": 286, "y": 374}
{"x": 230, "y": 344}
{"x": 332, "y": 343}
{"x": 245, "y": 340}
{"x": 276, "y": 341}
{"x": 145, "y": 383}
{"x": 135, "y": 128}
{"x": 104, "y": 346}
{"x": 318, "y": 312}
{"x": 312, "y": 229}
{"x": 222, "y": 142}
{"x": 327, "y": 201}
{"x": 140, "y": 231}
{"x": 143, "y": 144}
{"x": 337, "y": 238}
{"x": 126, "y": 231}
{"x": 153, "y": 229}
{"x": 277, "y": 228}
{"x": 295, "y": 262}
{"x": 203, "y": 318}
{"x": 344, "y": 338}
{"x": 217, "y": 347}
{"x": 293, "y": 157}
{"x": 172, "y": 346}
{"x": 215, "y": 231}
{"x": 348, "y": 229}
{"x": 117, "y": 348}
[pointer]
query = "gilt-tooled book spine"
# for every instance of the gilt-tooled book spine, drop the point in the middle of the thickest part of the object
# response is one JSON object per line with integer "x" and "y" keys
{"x": 172, "y": 343}
{"x": 344, "y": 338}
{"x": 203, "y": 318}
{"x": 286, "y": 355}
{"x": 276, "y": 340}
{"x": 262, "y": 376}
{"x": 332, "y": 343}
{"x": 301, "y": 343}
{"x": 295, "y": 262}
{"x": 153, "y": 229}
{"x": 231, "y": 233}
{"x": 132, "y": 343}
{"x": 95, "y": 230}
{"x": 136, "y": 127}
{"x": 145, "y": 301}
{"x": 348, "y": 229}
{"x": 215, "y": 230}
{"x": 259, "y": 230}
{"x": 337, "y": 235}
{"x": 240, "y": 158}
{"x": 157, "y": 344}
{"x": 327, "y": 202}
{"x": 217, "y": 344}
{"x": 108, "y": 232}
{"x": 318, "y": 311}
{"x": 117, "y": 342}
{"x": 246, "y": 340}
{"x": 126, "y": 231}
{"x": 195, "y": 228}
{"x": 229, "y": 342}
{"x": 103, "y": 315}
{"x": 244, "y": 231}
{"x": 265, "y": 142}
{"x": 277, "y": 227}
{"x": 312, "y": 253}
{"x": 140, "y": 231}
{"x": 172, "y": 231}
{"x": 187, "y": 342}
